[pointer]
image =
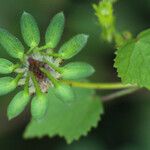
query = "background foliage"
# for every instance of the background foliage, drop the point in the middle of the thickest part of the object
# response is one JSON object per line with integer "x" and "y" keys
{"x": 125, "y": 125}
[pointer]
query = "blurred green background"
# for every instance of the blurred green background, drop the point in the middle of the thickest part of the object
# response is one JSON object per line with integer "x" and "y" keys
{"x": 126, "y": 122}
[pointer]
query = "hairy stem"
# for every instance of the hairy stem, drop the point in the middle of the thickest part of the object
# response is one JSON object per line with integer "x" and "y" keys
{"x": 102, "y": 86}
{"x": 118, "y": 94}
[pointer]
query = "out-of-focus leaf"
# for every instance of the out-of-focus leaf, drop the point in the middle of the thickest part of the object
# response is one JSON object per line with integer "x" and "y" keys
{"x": 71, "y": 120}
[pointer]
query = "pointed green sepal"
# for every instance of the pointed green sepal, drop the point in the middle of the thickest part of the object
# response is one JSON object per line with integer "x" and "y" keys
{"x": 30, "y": 30}
{"x": 39, "y": 106}
{"x": 64, "y": 92}
{"x": 18, "y": 104}
{"x": 6, "y": 66}
{"x": 76, "y": 70}
{"x": 55, "y": 30}
{"x": 73, "y": 46}
{"x": 11, "y": 44}
{"x": 7, "y": 84}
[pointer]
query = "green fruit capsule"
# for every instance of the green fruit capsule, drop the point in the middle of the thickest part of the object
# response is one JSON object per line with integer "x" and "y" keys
{"x": 64, "y": 92}
{"x": 30, "y": 30}
{"x": 7, "y": 84}
{"x": 6, "y": 66}
{"x": 77, "y": 70}
{"x": 39, "y": 106}
{"x": 12, "y": 45}
{"x": 73, "y": 46}
{"x": 18, "y": 104}
{"x": 55, "y": 30}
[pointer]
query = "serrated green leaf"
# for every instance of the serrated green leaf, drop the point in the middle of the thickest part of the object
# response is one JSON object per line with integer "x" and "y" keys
{"x": 73, "y": 46}
{"x": 30, "y": 30}
{"x": 7, "y": 84}
{"x": 55, "y": 30}
{"x": 70, "y": 121}
{"x": 39, "y": 106}
{"x": 11, "y": 44}
{"x": 17, "y": 104}
{"x": 77, "y": 70}
{"x": 6, "y": 66}
{"x": 64, "y": 92}
{"x": 133, "y": 60}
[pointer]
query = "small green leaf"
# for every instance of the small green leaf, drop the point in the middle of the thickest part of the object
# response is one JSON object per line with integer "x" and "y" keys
{"x": 6, "y": 66}
{"x": 39, "y": 106}
{"x": 64, "y": 92}
{"x": 73, "y": 46}
{"x": 12, "y": 45}
{"x": 18, "y": 104}
{"x": 77, "y": 70}
{"x": 133, "y": 61}
{"x": 55, "y": 30}
{"x": 7, "y": 84}
{"x": 30, "y": 30}
{"x": 69, "y": 121}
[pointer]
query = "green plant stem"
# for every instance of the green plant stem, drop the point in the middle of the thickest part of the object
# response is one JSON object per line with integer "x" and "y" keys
{"x": 102, "y": 86}
{"x": 37, "y": 49}
{"x": 51, "y": 54}
{"x": 30, "y": 50}
{"x": 36, "y": 85}
{"x": 18, "y": 77}
{"x": 26, "y": 86}
{"x": 54, "y": 55}
{"x": 42, "y": 48}
{"x": 118, "y": 94}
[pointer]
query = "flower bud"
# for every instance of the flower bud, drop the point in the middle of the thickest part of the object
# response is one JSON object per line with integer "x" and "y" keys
{"x": 64, "y": 92}
{"x": 77, "y": 70}
{"x": 7, "y": 84}
{"x": 6, "y": 66}
{"x": 12, "y": 45}
{"x": 73, "y": 46}
{"x": 55, "y": 30}
{"x": 39, "y": 106}
{"x": 30, "y": 30}
{"x": 18, "y": 104}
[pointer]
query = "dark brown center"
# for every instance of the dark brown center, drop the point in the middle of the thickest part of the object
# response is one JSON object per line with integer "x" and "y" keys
{"x": 34, "y": 66}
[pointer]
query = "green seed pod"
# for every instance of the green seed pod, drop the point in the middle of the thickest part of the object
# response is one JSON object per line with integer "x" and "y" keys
{"x": 55, "y": 30}
{"x": 64, "y": 92}
{"x": 12, "y": 45}
{"x": 39, "y": 106}
{"x": 30, "y": 30}
{"x": 73, "y": 46}
{"x": 77, "y": 70}
{"x": 6, "y": 66}
{"x": 18, "y": 104}
{"x": 7, "y": 84}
